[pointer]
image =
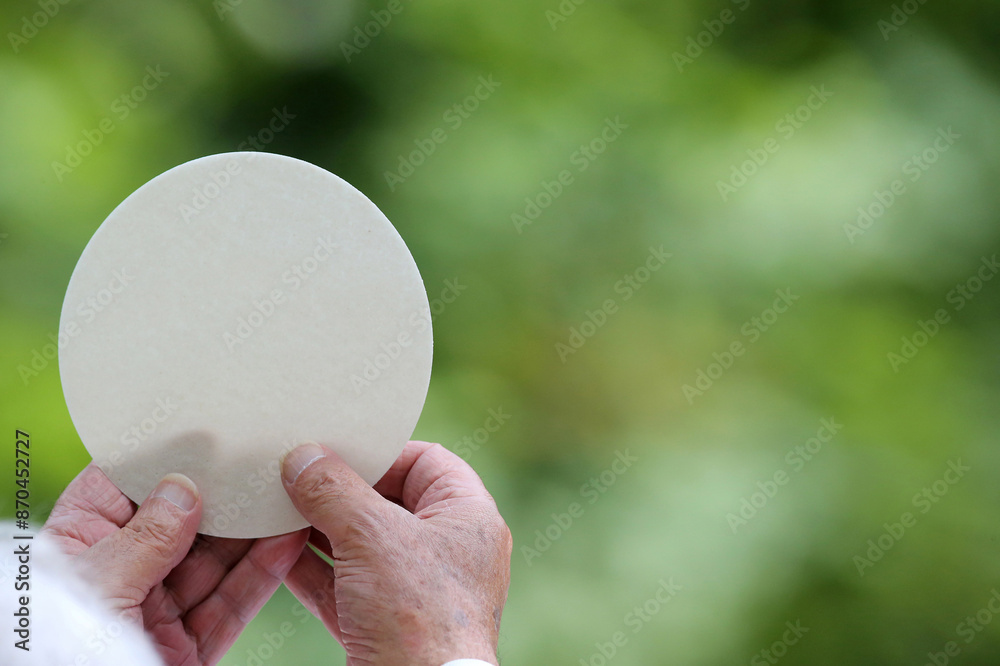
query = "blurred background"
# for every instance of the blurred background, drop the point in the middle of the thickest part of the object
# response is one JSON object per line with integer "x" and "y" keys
{"x": 725, "y": 306}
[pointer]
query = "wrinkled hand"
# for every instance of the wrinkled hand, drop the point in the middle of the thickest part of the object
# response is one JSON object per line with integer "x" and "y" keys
{"x": 193, "y": 595}
{"x": 422, "y": 561}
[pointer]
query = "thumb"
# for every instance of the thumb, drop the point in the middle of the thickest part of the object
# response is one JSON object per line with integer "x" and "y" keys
{"x": 130, "y": 561}
{"x": 330, "y": 495}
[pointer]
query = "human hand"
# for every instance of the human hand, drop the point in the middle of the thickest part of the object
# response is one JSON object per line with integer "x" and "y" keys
{"x": 194, "y": 595}
{"x": 422, "y": 561}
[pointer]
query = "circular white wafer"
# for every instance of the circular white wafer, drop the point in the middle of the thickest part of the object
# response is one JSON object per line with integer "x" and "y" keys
{"x": 234, "y": 307}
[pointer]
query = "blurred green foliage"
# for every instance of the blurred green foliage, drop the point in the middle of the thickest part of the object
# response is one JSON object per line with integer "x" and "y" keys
{"x": 364, "y": 103}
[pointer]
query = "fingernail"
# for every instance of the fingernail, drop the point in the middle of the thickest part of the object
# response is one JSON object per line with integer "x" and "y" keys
{"x": 178, "y": 490}
{"x": 299, "y": 458}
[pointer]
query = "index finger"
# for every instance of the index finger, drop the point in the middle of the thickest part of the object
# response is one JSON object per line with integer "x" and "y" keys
{"x": 426, "y": 475}
{"x": 90, "y": 500}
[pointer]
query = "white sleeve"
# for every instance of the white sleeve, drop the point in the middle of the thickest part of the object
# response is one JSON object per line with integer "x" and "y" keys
{"x": 69, "y": 622}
